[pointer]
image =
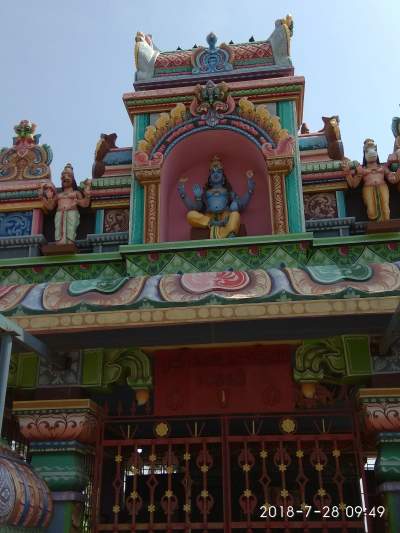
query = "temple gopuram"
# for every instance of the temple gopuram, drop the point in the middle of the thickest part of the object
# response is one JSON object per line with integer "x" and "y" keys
{"x": 203, "y": 336}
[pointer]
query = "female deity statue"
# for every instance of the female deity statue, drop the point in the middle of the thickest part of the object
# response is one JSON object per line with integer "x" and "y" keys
{"x": 375, "y": 191}
{"x": 216, "y": 205}
{"x": 66, "y": 220}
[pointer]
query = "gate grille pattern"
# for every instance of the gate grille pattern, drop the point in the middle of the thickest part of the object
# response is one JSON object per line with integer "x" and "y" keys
{"x": 214, "y": 474}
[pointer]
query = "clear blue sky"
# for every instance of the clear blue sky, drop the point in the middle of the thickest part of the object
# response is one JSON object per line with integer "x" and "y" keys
{"x": 65, "y": 65}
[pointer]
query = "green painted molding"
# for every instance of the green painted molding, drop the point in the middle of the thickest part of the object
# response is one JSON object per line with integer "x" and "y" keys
{"x": 293, "y": 185}
{"x": 375, "y": 238}
{"x": 62, "y": 471}
{"x": 387, "y": 466}
{"x": 341, "y": 204}
{"x": 315, "y": 167}
{"x": 61, "y": 259}
{"x": 136, "y": 222}
{"x": 112, "y": 182}
{"x": 14, "y": 195}
{"x": 214, "y": 243}
{"x": 261, "y": 251}
{"x": 99, "y": 221}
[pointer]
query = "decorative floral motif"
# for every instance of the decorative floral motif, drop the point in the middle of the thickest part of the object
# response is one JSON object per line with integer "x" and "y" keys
{"x": 383, "y": 415}
{"x": 385, "y": 277}
{"x": 192, "y": 287}
{"x": 116, "y": 220}
{"x": 162, "y": 429}
{"x": 109, "y": 293}
{"x": 15, "y": 224}
{"x": 320, "y": 205}
{"x": 212, "y": 102}
{"x": 288, "y": 425}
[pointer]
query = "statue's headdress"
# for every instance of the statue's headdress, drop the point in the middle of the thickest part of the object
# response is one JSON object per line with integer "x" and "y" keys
{"x": 369, "y": 143}
{"x": 216, "y": 162}
{"x": 68, "y": 166}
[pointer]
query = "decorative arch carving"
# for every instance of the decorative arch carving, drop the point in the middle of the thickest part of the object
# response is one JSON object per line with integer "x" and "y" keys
{"x": 213, "y": 108}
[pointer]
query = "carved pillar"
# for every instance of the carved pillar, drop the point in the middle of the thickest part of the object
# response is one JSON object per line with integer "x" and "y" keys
{"x": 149, "y": 178}
{"x": 381, "y": 416}
{"x": 61, "y": 434}
{"x": 136, "y": 201}
{"x": 278, "y": 168}
{"x": 287, "y": 112}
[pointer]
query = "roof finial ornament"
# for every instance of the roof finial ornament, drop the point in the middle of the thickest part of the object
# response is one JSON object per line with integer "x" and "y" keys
{"x": 212, "y": 40}
{"x": 212, "y": 59}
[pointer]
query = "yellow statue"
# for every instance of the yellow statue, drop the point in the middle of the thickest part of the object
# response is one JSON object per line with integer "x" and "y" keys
{"x": 375, "y": 191}
{"x": 216, "y": 205}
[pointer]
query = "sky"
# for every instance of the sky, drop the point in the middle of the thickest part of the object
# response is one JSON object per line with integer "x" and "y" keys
{"x": 66, "y": 65}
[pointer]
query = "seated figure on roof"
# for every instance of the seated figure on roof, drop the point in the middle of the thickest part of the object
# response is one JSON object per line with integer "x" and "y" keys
{"x": 216, "y": 205}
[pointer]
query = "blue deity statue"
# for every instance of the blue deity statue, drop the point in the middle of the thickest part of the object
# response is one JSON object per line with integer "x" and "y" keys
{"x": 216, "y": 205}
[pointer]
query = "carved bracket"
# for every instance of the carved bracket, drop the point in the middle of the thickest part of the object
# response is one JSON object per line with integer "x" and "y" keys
{"x": 102, "y": 368}
{"x": 344, "y": 359}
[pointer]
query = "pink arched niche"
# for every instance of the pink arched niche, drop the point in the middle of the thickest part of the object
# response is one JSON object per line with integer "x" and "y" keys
{"x": 191, "y": 157}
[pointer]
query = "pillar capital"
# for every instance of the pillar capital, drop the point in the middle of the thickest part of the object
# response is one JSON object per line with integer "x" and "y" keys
{"x": 380, "y": 410}
{"x": 58, "y": 420}
{"x": 61, "y": 434}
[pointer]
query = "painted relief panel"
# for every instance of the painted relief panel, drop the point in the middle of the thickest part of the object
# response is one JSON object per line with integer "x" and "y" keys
{"x": 15, "y": 224}
{"x": 116, "y": 220}
{"x": 320, "y": 205}
{"x": 216, "y": 381}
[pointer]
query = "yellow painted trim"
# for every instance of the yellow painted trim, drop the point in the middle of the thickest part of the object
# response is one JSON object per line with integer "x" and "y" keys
{"x": 20, "y": 206}
{"x": 333, "y": 186}
{"x": 34, "y": 405}
{"x": 151, "y": 349}
{"x": 103, "y": 204}
{"x": 384, "y": 392}
{"x": 102, "y": 320}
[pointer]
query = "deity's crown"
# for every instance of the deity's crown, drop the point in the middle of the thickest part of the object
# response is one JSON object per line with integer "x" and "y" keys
{"x": 369, "y": 143}
{"x": 216, "y": 162}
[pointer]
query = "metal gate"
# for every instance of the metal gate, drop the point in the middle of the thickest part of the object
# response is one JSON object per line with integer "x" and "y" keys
{"x": 229, "y": 474}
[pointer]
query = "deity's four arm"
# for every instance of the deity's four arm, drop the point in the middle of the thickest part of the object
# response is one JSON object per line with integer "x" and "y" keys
{"x": 216, "y": 205}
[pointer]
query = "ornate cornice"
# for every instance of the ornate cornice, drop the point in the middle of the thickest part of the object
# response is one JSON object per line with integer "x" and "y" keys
{"x": 83, "y": 321}
{"x": 111, "y": 182}
{"x": 260, "y": 90}
{"x": 27, "y": 240}
{"x": 107, "y": 202}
